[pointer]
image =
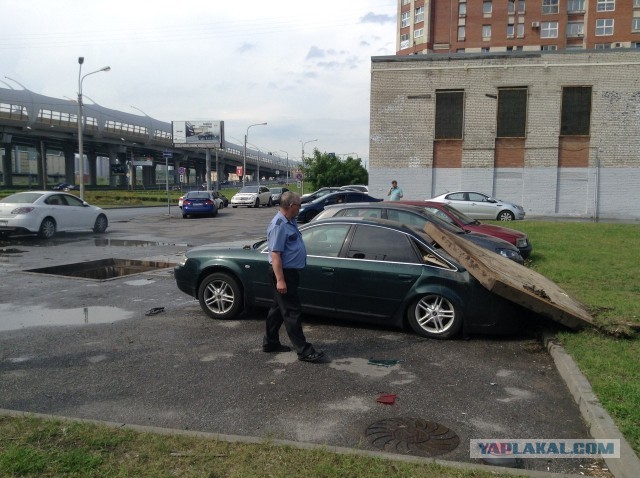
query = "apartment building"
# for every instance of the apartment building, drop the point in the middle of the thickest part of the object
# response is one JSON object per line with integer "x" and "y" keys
{"x": 477, "y": 26}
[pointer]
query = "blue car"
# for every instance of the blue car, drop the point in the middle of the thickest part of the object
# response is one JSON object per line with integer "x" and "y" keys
{"x": 199, "y": 203}
{"x": 311, "y": 209}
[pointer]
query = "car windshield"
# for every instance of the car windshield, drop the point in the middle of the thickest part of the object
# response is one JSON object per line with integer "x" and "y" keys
{"x": 463, "y": 218}
{"x": 249, "y": 189}
{"x": 276, "y": 190}
{"x": 22, "y": 198}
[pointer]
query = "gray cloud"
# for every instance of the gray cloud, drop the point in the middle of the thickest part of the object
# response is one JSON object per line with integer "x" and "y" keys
{"x": 245, "y": 47}
{"x": 379, "y": 19}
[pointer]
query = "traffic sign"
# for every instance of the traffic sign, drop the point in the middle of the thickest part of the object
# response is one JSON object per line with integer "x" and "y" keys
{"x": 167, "y": 154}
{"x": 182, "y": 170}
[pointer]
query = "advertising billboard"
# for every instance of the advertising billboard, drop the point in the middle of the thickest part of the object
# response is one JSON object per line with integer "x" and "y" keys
{"x": 198, "y": 134}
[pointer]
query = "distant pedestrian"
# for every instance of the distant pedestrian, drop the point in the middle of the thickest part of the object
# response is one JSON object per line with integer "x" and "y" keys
{"x": 287, "y": 257}
{"x": 395, "y": 192}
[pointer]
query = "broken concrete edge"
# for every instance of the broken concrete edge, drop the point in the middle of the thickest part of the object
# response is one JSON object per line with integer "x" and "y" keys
{"x": 294, "y": 444}
{"x": 600, "y": 423}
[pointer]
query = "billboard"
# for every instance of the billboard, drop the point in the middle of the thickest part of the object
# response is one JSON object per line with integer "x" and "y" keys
{"x": 198, "y": 134}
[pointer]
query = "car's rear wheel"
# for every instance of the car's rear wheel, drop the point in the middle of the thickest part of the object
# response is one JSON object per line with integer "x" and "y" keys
{"x": 214, "y": 213}
{"x": 506, "y": 216}
{"x": 220, "y": 296}
{"x": 270, "y": 203}
{"x": 184, "y": 216}
{"x": 101, "y": 224}
{"x": 434, "y": 316}
{"x": 47, "y": 228}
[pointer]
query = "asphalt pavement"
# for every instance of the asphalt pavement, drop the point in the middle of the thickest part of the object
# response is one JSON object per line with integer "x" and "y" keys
{"x": 136, "y": 350}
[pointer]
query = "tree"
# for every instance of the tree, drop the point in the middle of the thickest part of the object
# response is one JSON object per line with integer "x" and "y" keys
{"x": 326, "y": 169}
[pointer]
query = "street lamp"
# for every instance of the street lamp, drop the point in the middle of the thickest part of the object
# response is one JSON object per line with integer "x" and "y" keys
{"x": 244, "y": 164}
{"x": 80, "y": 120}
{"x": 283, "y": 151}
{"x": 303, "y": 143}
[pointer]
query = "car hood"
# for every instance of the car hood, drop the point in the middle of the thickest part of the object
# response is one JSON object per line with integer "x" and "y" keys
{"x": 492, "y": 230}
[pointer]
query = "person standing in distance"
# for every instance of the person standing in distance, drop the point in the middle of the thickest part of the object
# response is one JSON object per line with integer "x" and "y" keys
{"x": 287, "y": 257}
{"x": 395, "y": 192}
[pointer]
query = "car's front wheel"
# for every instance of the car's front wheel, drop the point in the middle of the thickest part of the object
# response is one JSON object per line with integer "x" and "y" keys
{"x": 506, "y": 216}
{"x": 434, "y": 316}
{"x": 257, "y": 203}
{"x": 220, "y": 296}
{"x": 101, "y": 224}
{"x": 47, "y": 228}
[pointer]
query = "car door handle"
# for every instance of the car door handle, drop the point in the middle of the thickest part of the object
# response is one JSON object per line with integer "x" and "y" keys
{"x": 328, "y": 270}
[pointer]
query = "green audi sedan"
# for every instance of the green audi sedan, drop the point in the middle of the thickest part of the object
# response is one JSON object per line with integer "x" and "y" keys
{"x": 370, "y": 270}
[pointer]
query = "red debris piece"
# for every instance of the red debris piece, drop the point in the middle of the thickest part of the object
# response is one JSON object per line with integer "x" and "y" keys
{"x": 387, "y": 398}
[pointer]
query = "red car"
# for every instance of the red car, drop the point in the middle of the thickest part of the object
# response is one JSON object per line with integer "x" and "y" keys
{"x": 453, "y": 216}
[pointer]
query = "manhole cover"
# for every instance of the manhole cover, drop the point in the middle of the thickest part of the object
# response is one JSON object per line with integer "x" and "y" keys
{"x": 406, "y": 435}
{"x": 104, "y": 269}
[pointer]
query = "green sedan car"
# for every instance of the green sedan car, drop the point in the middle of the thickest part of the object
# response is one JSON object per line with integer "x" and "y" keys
{"x": 369, "y": 270}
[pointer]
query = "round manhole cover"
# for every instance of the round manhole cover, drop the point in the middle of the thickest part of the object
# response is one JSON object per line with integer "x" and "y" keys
{"x": 406, "y": 434}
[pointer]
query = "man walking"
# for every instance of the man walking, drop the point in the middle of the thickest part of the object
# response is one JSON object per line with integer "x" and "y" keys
{"x": 287, "y": 257}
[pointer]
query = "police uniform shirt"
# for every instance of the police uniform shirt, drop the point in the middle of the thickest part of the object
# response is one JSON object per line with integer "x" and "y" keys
{"x": 284, "y": 237}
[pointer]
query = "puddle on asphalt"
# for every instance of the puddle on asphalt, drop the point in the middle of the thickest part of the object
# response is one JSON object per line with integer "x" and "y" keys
{"x": 16, "y": 317}
{"x": 104, "y": 269}
{"x": 107, "y": 242}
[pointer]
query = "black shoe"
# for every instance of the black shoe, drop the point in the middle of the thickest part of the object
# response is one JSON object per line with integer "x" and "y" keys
{"x": 275, "y": 348}
{"x": 313, "y": 357}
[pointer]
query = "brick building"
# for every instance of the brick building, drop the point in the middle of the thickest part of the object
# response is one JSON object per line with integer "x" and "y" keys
{"x": 558, "y": 132}
{"x": 475, "y": 26}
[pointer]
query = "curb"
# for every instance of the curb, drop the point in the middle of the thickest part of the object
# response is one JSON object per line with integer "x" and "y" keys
{"x": 600, "y": 423}
{"x": 518, "y": 472}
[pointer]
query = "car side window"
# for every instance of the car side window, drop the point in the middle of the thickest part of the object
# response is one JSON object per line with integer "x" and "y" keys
{"x": 325, "y": 241}
{"x": 407, "y": 218}
{"x": 440, "y": 214}
{"x": 456, "y": 197}
{"x": 382, "y": 244}
{"x": 477, "y": 197}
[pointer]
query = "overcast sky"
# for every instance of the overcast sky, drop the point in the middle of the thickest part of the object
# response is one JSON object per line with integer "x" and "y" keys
{"x": 301, "y": 66}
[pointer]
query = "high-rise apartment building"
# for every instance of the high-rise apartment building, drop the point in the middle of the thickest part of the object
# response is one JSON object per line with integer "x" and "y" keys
{"x": 475, "y": 26}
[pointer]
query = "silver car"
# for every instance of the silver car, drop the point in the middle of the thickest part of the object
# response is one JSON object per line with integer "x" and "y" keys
{"x": 481, "y": 206}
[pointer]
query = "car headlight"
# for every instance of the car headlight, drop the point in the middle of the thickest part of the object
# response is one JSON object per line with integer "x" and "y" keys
{"x": 509, "y": 254}
{"x": 521, "y": 242}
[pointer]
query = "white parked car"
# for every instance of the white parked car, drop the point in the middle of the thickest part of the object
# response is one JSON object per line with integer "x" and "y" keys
{"x": 47, "y": 212}
{"x": 252, "y": 196}
{"x": 481, "y": 206}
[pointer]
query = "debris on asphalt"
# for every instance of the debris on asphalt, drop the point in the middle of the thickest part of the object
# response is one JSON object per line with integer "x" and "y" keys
{"x": 154, "y": 311}
{"x": 387, "y": 398}
{"x": 384, "y": 362}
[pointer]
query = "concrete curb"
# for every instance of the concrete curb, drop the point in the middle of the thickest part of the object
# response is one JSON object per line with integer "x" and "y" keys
{"x": 600, "y": 423}
{"x": 293, "y": 444}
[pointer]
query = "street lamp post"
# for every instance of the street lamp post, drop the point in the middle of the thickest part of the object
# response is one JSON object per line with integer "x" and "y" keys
{"x": 80, "y": 120}
{"x": 283, "y": 151}
{"x": 244, "y": 163}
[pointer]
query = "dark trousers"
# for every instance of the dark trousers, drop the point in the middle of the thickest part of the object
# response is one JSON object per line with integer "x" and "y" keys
{"x": 286, "y": 308}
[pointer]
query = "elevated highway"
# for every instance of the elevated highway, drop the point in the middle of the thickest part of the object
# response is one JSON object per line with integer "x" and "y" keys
{"x": 48, "y": 127}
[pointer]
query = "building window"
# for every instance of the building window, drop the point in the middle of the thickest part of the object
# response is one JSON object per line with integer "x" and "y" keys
{"x": 574, "y": 6}
{"x": 549, "y": 30}
{"x": 549, "y": 47}
{"x": 520, "y": 30}
{"x": 606, "y": 5}
{"x": 510, "y": 30}
{"x": 418, "y": 33}
{"x": 486, "y": 32}
{"x": 575, "y": 29}
{"x": 419, "y": 14}
{"x": 635, "y": 24}
{"x": 462, "y": 9}
{"x": 636, "y": 3}
{"x": 603, "y": 46}
{"x": 511, "y": 7}
{"x": 485, "y": 49}
{"x": 576, "y": 111}
{"x": 461, "y": 32}
{"x": 549, "y": 6}
{"x": 487, "y": 8}
{"x": 512, "y": 112}
{"x": 404, "y": 22}
{"x": 449, "y": 114}
{"x": 635, "y": 44}
{"x": 521, "y": 7}
{"x": 604, "y": 26}
{"x": 404, "y": 41}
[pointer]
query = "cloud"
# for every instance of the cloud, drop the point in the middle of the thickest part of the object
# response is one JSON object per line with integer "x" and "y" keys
{"x": 315, "y": 52}
{"x": 245, "y": 47}
{"x": 379, "y": 19}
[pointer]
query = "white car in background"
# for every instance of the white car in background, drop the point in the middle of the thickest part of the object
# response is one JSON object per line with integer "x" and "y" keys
{"x": 481, "y": 206}
{"x": 252, "y": 196}
{"x": 47, "y": 212}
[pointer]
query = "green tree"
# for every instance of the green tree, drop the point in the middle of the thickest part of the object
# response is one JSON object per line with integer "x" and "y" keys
{"x": 326, "y": 169}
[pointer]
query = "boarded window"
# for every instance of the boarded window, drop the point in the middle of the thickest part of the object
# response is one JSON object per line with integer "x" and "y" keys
{"x": 576, "y": 111}
{"x": 512, "y": 112}
{"x": 449, "y": 114}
